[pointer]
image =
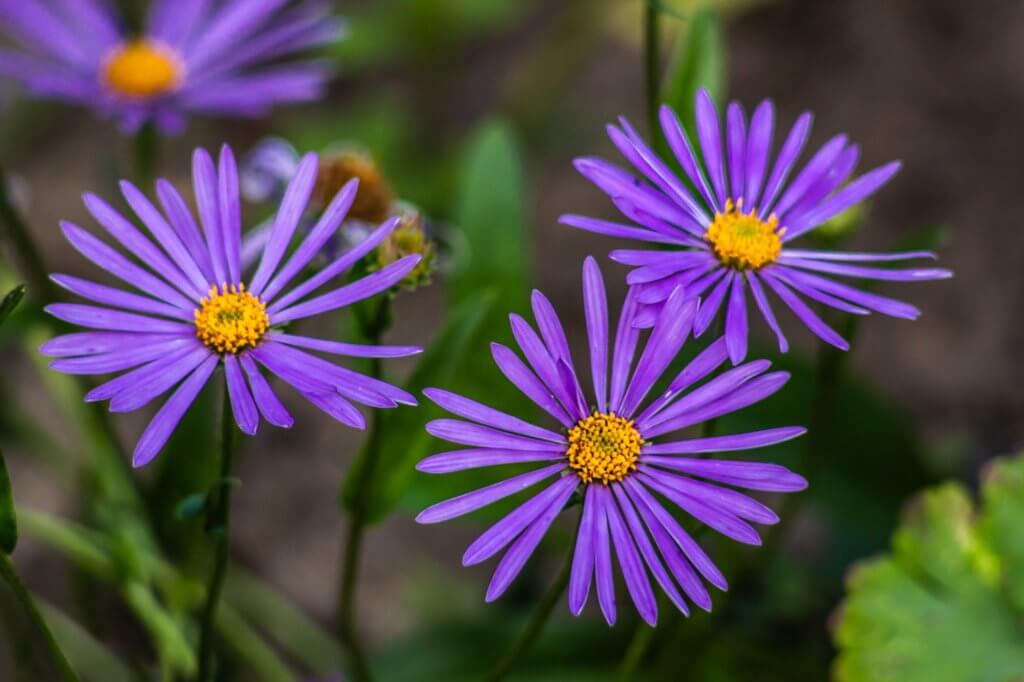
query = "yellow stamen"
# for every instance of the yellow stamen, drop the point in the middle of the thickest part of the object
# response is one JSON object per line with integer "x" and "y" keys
{"x": 743, "y": 240}
{"x": 231, "y": 319}
{"x": 603, "y": 447}
{"x": 141, "y": 69}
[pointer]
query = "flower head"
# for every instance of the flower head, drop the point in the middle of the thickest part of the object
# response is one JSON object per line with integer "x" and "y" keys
{"x": 610, "y": 448}
{"x": 732, "y": 235}
{"x": 192, "y": 307}
{"x": 191, "y": 57}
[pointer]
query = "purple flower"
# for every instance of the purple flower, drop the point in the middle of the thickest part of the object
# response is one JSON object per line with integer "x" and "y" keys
{"x": 192, "y": 56}
{"x": 193, "y": 310}
{"x": 609, "y": 451}
{"x": 732, "y": 235}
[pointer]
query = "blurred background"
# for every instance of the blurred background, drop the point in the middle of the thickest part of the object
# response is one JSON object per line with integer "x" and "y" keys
{"x": 473, "y": 111}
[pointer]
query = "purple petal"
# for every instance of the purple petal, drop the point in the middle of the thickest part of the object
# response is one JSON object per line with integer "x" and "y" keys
{"x": 168, "y": 416}
{"x": 817, "y": 168}
{"x": 852, "y": 256}
{"x": 582, "y": 571}
{"x": 516, "y": 371}
{"x": 542, "y": 364}
{"x": 521, "y": 550}
{"x": 736, "y": 321}
{"x": 229, "y": 202}
{"x": 185, "y": 226}
{"x": 709, "y": 359}
{"x": 736, "y": 143}
{"x": 788, "y": 155}
{"x": 293, "y": 205}
{"x": 720, "y": 386}
{"x": 460, "y": 460}
{"x": 121, "y": 299}
{"x": 267, "y": 401}
{"x": 337, "y": 267}
{"x": 498, "y": 536}
{"x": 603, "y": 554}
{"x": 856, "y": 191}
{"x": 751, "y": 475}
{"x": 728, "y": 524}
{"x": 647, "y": 551}
{"x": 146, "y": 383}
{"x": 336, "y": 407}
{"x": 711, "y": 143}
{"x": 724, "y": 499}
{"x": 550, "y": 327}
{"x": 354, "y": 350}
{"x": 205, "y": 186}
{"x": 95, "y": 343}
{"x": 739, "y": 441}
{"x": 94, "y": 317}
{"x": 242, "y": 404}
{"x": 478, "y": 412}
{"x": 325, "y": 228}
{"x": 806, "y": 315}
{"x": 759, "y": 144}
{"x": 617, "y": 230}
{"x": 679, "y": 143}
{"x": 122, "y": 358}
{"x": 633, "y": 573}
{"x": 626, "y": 338}
{"x": 471, "y": 501}
{"x": 710, "y": 305}
{"x": 910, "y": 275}
{"x": 882, "y": 304}
{"x": 467, "y": 433}
{"x": 230, "y": 26}
{"x": 787, "y": 275}
{"x": 595, "y": 304}
{"x": 766, "y": 310}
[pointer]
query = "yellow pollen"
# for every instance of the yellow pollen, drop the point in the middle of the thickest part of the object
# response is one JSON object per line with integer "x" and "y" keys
{"x": 141, "y": 69}
{"x": 603, "y": 447}
{"x": 230, "y": 319}
{"x": 742, "y": 240}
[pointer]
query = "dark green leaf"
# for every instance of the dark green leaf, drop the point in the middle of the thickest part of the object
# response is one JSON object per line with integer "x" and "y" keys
{"x": 698, "y": 61}
{"x": 191, "y": 507}
{"x": 8, "y": 520}
{"x": 403, "y": 440}
{"x": 11, "y": 301}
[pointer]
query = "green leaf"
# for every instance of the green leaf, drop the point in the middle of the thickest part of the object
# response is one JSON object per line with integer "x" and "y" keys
{"x": 403, "y": 438}
{"x": 8, "y": 519}
{"x": 490, "y": 215}
{"x": 698, "y": 61}
{"x": 11, "y": 301}
{"x": 191, "y": 507}
{"x": 935, "y": 608}
{"x": 93, "y": 661}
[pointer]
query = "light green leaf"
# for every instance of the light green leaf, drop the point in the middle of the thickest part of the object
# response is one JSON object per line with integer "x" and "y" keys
{"x": 698, "y": 61}
{"x": 935, "y": 608}
{"x": 93, "y": 661}
{"x": 11, "y": 301}
{"x": 8, "y": 519}
{"x": 403, "y": 438}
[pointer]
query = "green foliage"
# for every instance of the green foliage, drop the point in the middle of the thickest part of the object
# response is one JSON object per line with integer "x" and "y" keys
{"x": 93, "y": 661}
{"x": 8, "y": 520}
{"x": 698, "y": 61}
{"x": 945, "y": 604}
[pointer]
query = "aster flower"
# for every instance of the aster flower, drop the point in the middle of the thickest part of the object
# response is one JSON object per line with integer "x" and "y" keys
{"x": 611, "y": 452}
{"x": 731, "y": 237}
{"x": 193, "y": 56}
{"x": 192, "y": 310}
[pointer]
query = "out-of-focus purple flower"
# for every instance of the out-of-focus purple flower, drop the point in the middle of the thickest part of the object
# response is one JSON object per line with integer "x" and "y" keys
{"x": 731, "y": 236}
{"x": 193, "y": 56}
{"x": 609, "y": 448}
{"x": 192, "y": 310}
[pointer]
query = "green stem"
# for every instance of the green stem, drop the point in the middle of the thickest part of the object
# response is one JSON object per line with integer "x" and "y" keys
{"x": 217, "y": 524}
{"x": 10, "y": 576}
{"x": 534, "y": 627}
{"x": 372, "y": 329}
{"x": 147, "y": 153}
{"x": 20, "y": 239}
{"x": 651, "y": 64}
{"x": 636, "y": 652}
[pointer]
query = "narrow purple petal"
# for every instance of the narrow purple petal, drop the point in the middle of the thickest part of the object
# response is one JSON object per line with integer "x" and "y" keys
{"x": 122, "y": 358}
{"x": 94, "y": 317}
{"x": 881, "y": 304}
{"x": 856, "y": 191}
{"x": 477, "y": 435}
{"x": 817, "y": 168}
{"x": 231, "y": 25}
{"x": 790, "y": 277}
{"x": 95, "y": 343}
{"x": 523, "y": 378}
{"x": 595, "y": 304}
{"x": 728, "y": 524}
{"x": 736, "y": 321}
{"x": 710, "y": 305}
{"x": 633, "y": 573}
{"x": 711, "y": 143}
{"x": 471, "y": 501}
{"x": 709, "y": 359}
{"x": 354, "y": 350}
{"x": 521, "y": 550}
{"x": 759, "y": 144}
{"x": 736, "y": 144}
{"x": 498, "y": 536}
{"x": 724, "y": 499}
{"x": 603, "y": 555}
{"x": 242, "y": 404}
{"x": 617, "y": 230}
{"x": 751, "y": 475}
{"x": 478, "y": 412}
{"x": 788, "y": 155}
{"x": 909, "y": 275}
{"x": 582, "y": 571}
{"x": 167, "y": 417}
{"x": 550, "y": 327}
{"x": 205, "y": 186}
{"x": 679, "y": 143}
{"x": 766, "y": 310}
{"x": 154, "y": 380}
{"x": 739, "y": 441}
{"x": 853, "y": 256}
{"x": 542, "y": 364}
{"x": 337, "y": 407}
{"x": 806, "y": 315}
{"x": 626, "y": 338}
{"x": 460, "y": 460}
{"x": 269, "y": 404}
{"x": 101, "y": 293}
{"x": 722, "y": 385}
{"x": 185, "y": 226}
{"x": 293, "y": 205}
{"x": 229, "y": 202}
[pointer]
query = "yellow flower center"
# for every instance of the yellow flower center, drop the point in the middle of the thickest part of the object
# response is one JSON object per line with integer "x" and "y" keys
{"x": 231, "y": 319}
{"x": 742, "y": 240}
{"x": 603, "y": 447}
{"x": 141, "y": 69}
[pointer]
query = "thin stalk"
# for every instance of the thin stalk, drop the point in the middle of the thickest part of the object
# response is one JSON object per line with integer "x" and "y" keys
{"x": 218, "y": 524}
{"x": 534, "y": 627}
{"x": 21, "y": 594}
{"x": 636, "y": 652}
{"x": 41, "y": 288}
{"x": 372, "y": 330}
{"x": 147, "y": 153}
{"x": 651, "y": 64}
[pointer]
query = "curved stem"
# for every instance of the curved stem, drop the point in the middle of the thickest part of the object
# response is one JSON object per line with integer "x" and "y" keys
{"x": 21, "y": 593}
{"x": 537, "y": 622}
{"x": 372, "y": 329}
{"x": 651, "y": 63}
{"x": 217, "y": 524}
